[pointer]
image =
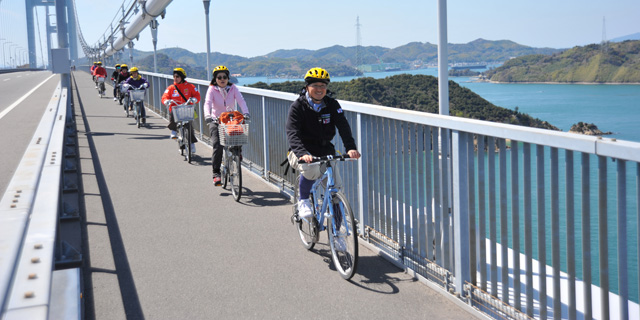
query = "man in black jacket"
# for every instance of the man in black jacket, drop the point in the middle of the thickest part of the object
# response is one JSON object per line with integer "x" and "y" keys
{"x": 311, "y": 125}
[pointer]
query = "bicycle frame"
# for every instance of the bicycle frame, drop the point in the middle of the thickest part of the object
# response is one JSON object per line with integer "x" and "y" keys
{"x": 329, "y": 191}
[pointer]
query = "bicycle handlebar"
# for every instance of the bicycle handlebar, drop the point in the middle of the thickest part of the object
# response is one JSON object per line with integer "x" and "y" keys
{"x": 337, "y": 157}
{"x": 188, "y": 102}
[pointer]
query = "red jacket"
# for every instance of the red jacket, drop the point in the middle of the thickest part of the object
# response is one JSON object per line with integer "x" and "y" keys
{"x": 187, "y": 89}
{"x": 100, "y": 71}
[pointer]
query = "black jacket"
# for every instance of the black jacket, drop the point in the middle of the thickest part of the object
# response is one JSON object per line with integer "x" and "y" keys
{"x": 122, "y": 77}
{"x": 311, "y": 132}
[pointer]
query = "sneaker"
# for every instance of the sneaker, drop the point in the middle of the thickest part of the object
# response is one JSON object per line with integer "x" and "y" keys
{"x": 304, "y": 209}
{"x": 115, "y": 99}
{"x": 217, "y": 181}
{"x": 174, "y": 134}
{"x": 193, "y": 148}
{"x": 96, "y": 87}
{"x": 340, "y": 244}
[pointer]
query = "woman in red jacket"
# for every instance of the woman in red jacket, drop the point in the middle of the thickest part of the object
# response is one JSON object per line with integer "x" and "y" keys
{"x": 173, "y": 92}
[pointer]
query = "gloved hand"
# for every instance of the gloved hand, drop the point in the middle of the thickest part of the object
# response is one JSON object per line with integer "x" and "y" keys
{"x": 167, "y": 103}
{"x": 146, "y": 85}
{"x": 246, "y": 116}
{"x": 208, "y": 120}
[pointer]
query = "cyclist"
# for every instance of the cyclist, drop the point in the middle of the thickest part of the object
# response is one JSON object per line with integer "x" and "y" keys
{"x": 92, "y": 69}
{"x": 114, "y": 76}
{"x": 311, "y": 125}
{"x": 221, "y": 95}
{"x": 99, "y": 71}
{"x": 136, "y": 81}
{"x": 122, "y": 76}
{"x": 180, "y": 91}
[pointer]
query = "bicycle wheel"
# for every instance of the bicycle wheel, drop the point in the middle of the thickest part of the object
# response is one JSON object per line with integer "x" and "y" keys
{"x": 180, "y": 139}
{"x": 343, "y": 237}
{"x": 187, "y": 141}
{"x": 235, "y": 176}
{"x": 136, "y": 114}
{"x": 224, "y": 168}
{"x": 307, "y": 229}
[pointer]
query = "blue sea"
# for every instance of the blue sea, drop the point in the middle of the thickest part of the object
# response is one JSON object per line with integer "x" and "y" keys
{"x": 614, "y": 108}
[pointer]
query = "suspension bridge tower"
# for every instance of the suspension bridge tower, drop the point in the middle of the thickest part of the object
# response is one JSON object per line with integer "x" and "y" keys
{"x": 31, "y": 32}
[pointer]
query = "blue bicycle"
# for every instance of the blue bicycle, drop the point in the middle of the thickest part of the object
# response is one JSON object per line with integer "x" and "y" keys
{"x": 341, "y": 225}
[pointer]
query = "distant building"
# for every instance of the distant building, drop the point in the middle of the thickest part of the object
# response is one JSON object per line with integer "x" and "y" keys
{"x": 380, "y": 67}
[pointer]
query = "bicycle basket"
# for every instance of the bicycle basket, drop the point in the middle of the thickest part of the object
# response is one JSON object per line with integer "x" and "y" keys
{"x": 233, "y": 134}
{"x": 183, "y": 113}
{"x": 137, "y": 95}
{"x": 100, "y": 79}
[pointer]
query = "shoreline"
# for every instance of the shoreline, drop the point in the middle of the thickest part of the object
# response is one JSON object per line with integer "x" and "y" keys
{"x": 585, "y": 83}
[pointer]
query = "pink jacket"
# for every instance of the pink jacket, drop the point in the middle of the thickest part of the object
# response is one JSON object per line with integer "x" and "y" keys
{"x": 215, "y": 103}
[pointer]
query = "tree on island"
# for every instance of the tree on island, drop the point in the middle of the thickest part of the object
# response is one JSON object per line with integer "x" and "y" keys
{"x": 589, "y": 129}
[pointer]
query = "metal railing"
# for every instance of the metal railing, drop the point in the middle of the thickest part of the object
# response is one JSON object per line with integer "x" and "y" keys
{"x": 513, "y": 219}
{"x": 29, "y": 213}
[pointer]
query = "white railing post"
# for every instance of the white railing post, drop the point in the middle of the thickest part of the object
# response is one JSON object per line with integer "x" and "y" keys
{"x": 461, "y": 210}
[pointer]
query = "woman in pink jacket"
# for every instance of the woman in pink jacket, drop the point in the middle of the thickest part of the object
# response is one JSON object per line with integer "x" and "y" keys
{"x": 221, "y": 97}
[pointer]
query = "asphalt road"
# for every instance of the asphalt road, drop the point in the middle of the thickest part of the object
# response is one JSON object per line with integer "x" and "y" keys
{"x": 21, "y": 109}
{"x": 161, "y": 242}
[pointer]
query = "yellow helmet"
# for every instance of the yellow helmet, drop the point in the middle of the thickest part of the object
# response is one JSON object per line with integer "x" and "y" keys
{"x": 118, "y": 65}
{"x": 317, "y": 75}
{"x": 99, "y": 63}
{"x": 123, "y": 66}
{"x": 220, "y": 68}
{"x": 181, "y": 72}
{"x": 134, "y": 69}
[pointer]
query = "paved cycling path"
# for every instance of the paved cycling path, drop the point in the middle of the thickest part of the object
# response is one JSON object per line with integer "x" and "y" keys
{"x": 163, "y": 243}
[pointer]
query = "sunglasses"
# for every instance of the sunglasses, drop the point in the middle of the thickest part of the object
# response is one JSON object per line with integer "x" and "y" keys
{"x": 222, "y": 77}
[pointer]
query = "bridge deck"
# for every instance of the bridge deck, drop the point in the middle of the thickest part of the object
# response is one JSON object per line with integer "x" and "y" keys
{"x": 161, "y": 242}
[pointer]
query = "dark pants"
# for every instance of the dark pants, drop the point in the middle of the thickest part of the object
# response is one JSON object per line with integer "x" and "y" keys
{"x": 174, "y": 126}
{"x": 216, "y": 157}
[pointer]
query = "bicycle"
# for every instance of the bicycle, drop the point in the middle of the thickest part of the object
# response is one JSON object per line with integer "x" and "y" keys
{"x": 135, "y": 101}
{"x": 341, "y": 224}
{"x": 183, "y": 114}
{"x": 232, "y": 137}
{"x": 100, "y": 85}
{"x": 120, "y": 93}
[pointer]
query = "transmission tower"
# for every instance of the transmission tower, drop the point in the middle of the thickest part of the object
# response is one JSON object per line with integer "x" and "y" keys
{"x": 358, "y": 44}
{"x": 605, "y": 44}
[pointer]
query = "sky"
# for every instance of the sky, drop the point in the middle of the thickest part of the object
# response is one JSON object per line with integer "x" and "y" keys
{"x": 257, "y": 27}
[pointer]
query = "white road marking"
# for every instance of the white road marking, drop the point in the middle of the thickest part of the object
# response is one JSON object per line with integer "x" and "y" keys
{"x": 15, "y": 104}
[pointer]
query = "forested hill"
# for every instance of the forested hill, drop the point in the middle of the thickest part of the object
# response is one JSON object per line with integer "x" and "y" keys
{"x": 420, "y": 93}
{"x": 613, "y": 63}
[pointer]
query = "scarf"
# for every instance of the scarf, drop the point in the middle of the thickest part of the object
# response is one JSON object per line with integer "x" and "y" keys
{"x": 315, "y": 106}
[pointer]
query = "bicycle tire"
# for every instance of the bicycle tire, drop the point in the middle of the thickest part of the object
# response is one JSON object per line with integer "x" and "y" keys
{"x": 136, "y": 114}
{"x": 224, "y": 170}
{"x": 187, "y": 142}
{"x": 343, "y": 225}
{"x": 235, "y": 176}
{"x": 180, "y": 139}
{"x": 307, "y": 230}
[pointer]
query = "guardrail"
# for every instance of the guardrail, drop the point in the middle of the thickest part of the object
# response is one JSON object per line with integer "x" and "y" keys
{"x": 29, "y": 212}
{"x": 467, "y": 204}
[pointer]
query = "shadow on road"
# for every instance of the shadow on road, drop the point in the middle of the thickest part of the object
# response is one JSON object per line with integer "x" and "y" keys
{"x": 128, "y": 291}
